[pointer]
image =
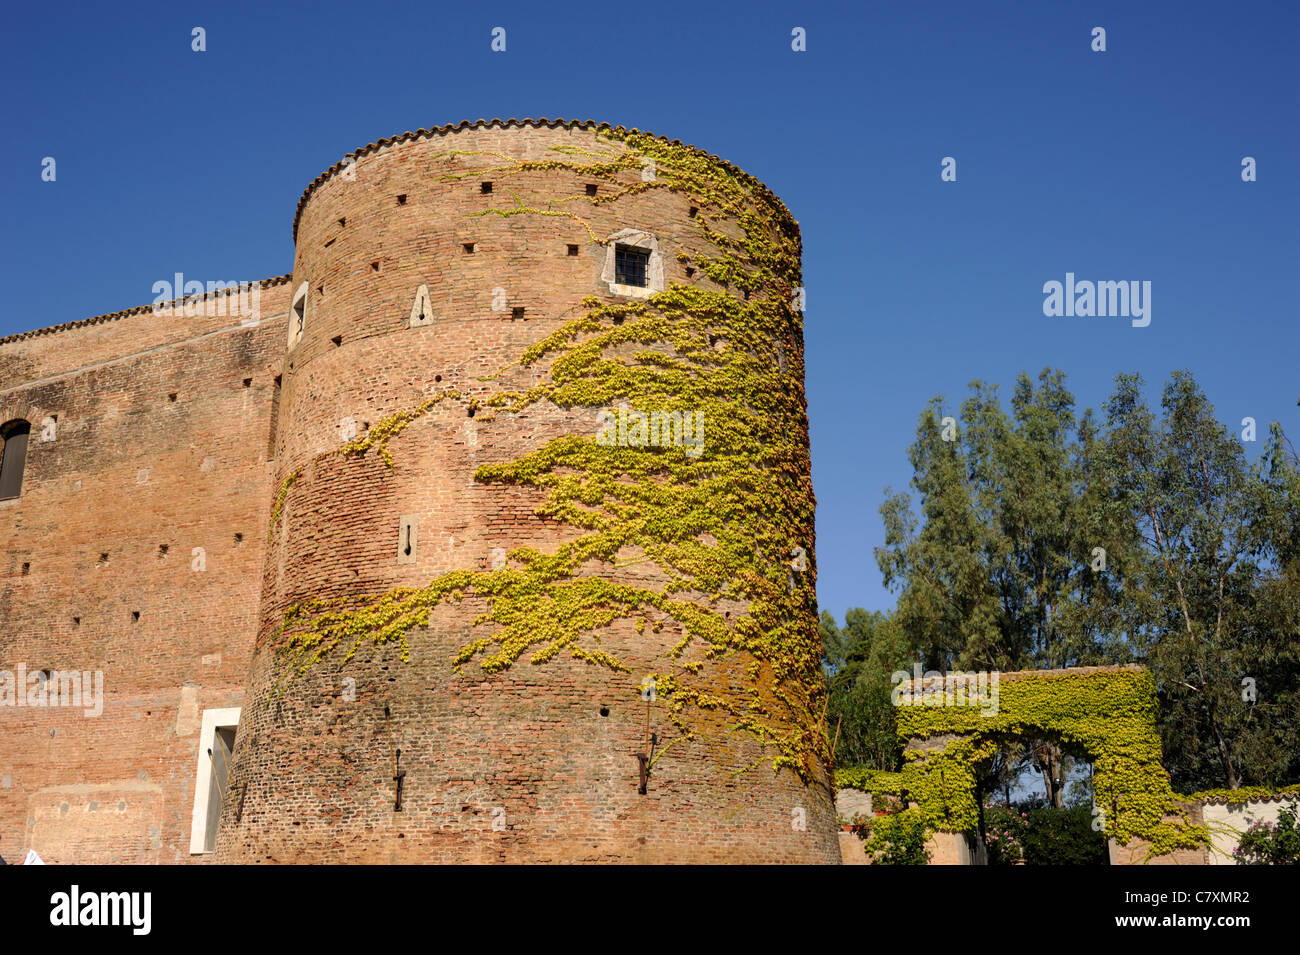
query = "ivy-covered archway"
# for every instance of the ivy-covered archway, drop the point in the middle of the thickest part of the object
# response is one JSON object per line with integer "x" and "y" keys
{"x": 1108, "y": 713}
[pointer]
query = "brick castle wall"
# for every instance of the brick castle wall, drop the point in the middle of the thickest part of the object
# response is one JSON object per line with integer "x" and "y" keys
{"x": 130, "y": 471}
{"x": 532, "y": 764}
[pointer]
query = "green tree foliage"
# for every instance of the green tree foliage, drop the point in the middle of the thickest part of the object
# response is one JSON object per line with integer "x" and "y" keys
{"x": 859, "y": 661}
{"x": 1218, "y": 603}
{"x": 1000, "y": 575}
{"x": 998, "y": 572}
{"x": 1046, "y": 539}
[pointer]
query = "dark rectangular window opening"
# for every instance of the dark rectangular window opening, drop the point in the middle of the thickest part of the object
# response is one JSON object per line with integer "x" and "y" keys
{"x": 13, "y": 457}
{"x": 631, "y": 265}
{"x": 591, "y": 188}
{"x": 485, "y": 187}
{"x": 468, "y": 247}
{"x": 401, "y": 200}
{"x": 516, "y": 313}
{"x": 573, "y": 250}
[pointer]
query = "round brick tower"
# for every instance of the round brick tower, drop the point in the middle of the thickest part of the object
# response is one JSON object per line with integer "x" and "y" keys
{"x": 541, "y": 440}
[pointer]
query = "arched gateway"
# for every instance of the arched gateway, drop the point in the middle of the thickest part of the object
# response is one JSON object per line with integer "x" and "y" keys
{"x": 951, "y": 725}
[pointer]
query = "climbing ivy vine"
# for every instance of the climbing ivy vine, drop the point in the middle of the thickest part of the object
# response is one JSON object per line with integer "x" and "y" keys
{"x": 1108, "y": 714}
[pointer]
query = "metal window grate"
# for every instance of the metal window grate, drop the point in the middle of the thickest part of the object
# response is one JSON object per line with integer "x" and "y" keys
{"x": 631, "y": 265}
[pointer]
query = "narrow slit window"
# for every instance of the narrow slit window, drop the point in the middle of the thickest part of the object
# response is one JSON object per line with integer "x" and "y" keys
{"x": 298, "y": 315}
{"x": 408, "y": 533}
{"x": 275, "y": 419}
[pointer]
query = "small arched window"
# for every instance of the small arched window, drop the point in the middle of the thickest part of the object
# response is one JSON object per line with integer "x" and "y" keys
{"x": 13, "y": 455}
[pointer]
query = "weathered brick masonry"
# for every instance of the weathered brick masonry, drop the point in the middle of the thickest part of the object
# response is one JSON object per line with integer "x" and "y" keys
{"x": 129, "y": 472}
{"x": 534, "y": 763}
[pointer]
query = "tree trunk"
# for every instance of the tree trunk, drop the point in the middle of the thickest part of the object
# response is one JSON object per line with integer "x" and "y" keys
{"x": 1050, "y": 765}
{"x": 1224, "y": 758}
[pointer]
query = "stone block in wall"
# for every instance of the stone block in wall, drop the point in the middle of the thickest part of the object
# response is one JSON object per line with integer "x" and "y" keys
{"x": 852, "y": 802}
{"x": 853, "y": 850}
{"x": 116, "y": 822}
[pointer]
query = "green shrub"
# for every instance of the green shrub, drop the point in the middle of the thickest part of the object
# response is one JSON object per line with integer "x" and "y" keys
{"x": 897, "y": 839}
{"x": 1004, "y": 833}
{"x": 1063, "y": 837}
{"x": 1269, "y": 843}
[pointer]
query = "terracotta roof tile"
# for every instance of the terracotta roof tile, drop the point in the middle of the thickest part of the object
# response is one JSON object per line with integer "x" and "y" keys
{"x": 1218, "y": 798}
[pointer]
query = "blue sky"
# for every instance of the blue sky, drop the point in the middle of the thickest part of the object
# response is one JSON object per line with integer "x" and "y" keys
{"x": 1117, "y": 165}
